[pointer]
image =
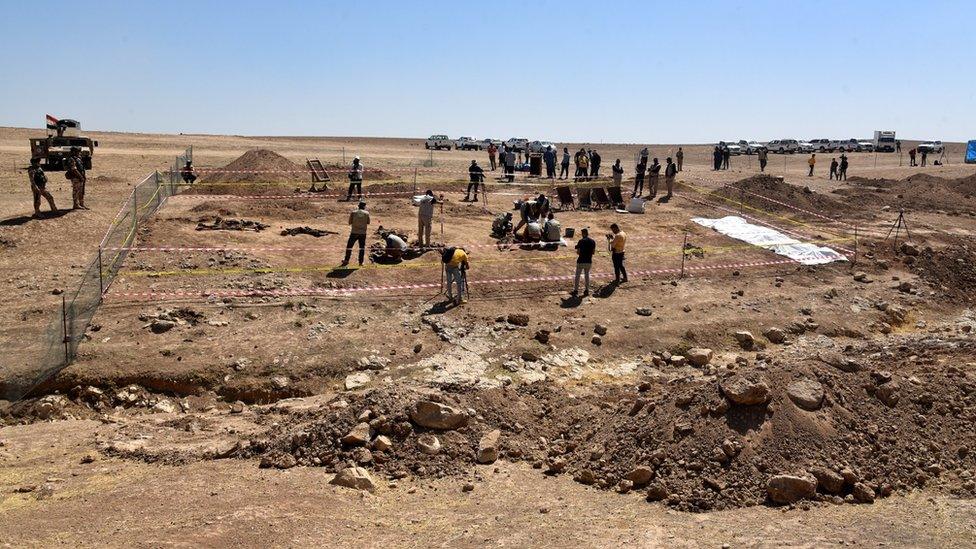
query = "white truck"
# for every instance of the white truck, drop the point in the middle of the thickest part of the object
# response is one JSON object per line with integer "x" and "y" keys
{"x": 517, "y": 144}
{"x": 783, "y": 146}
{"x": 469, "y": 144}
{"x": 438, "y": 142}
{"x": 884, "y": 141}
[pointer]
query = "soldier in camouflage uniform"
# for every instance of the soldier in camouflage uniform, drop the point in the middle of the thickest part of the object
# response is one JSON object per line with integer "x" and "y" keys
{"x": 38, "y": 183}
{"x": 75, "y": 172}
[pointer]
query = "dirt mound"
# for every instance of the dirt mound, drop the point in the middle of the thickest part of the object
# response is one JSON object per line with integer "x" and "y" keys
{"x": 775, "y": 188}
{"x": 256, "y": 166}
{"x": 951, "y": 271}
{"x": 919, "y": 192}
{"x": 338, "y": 174}
{"x": 700, "y": 444}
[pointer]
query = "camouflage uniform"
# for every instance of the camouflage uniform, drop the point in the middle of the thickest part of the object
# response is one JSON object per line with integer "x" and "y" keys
{"x": 38, "y": 183}
{"x": 75, "y": 171}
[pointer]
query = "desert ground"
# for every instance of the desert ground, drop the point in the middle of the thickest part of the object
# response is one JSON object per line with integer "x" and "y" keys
{"x": 726, "y": 396}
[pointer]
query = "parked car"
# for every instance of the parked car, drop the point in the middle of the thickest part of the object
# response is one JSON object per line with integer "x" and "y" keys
{"x": 783, "y": 146}
{"x": 805, "y": 147}
{"x": 540, "y": 146}
{"x": 865, "y": 145}
{"x": 497, "y": 142}
{"x": 846, "y": 145}
{"x": 517, "y": 144}
{"x": 750, "y": 147}
{"x": 822, "y": 145}
{"x": 438, "y": 142}
{"x": 930, "y": 147}
{"x": 469, "y": 144}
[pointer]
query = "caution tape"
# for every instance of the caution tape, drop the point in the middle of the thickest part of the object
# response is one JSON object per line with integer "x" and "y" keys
{"x": 338, "y": 292}
{"x": 790, "y": 206}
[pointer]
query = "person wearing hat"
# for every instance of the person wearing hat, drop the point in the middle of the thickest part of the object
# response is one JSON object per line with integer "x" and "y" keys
{"x": 74, "y": 171}
{"x": 477, "y": 176}
{"x": 355, "y": 179}
{"x": 425, "y": 217}
{"x": 38, "y": 183}
{"x": 358, "y": 223}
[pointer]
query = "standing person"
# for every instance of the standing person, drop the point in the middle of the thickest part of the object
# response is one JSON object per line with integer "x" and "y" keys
{"x": 425, "y": 217}
{"x": 843, "y": 168}
{"x": 618, "y": 241}
{"x": 653, "y": 173}
{"x": 509, "y": 164}
{"x": 585, "y": 249}
{"x": 583, "y": 165}
{"x": 812, "y": 161}
{"x": 595, "y": 160}
{"x": 358, "y": 223}
{"x": 38, "y": 183}
{"x": 639, "y": 178}
{"x": 618, "y": 173}
{"x": 477, "y": 176}
{"x": 74, "y": 170}
{"x": 519, "y": 156}
{"x": 911, "y": 157}
{"x": 898, "y": 146}
{"x": 833, "y": 169}
{"x": 717, "y": 158}
{"x": 549, "y": 157}
{"x": 763, "y": 155}
{"x": 456, "y": 265}
{"x": 925, "y": 155}
{"x": 355, "y": 179}
{"x": 680, "y": 158}
{"x": 726, "y": 157}
{"x": 492, "y": 151}
{"x": 564, "y": 166}
{"x": 669, "y": 174}
{"x": 644, "y": 154}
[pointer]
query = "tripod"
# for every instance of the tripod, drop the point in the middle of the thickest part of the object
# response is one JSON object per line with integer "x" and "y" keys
{"x": 897, "y": 226}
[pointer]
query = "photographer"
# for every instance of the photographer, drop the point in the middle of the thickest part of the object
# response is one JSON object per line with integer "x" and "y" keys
{"x": 355, "y": 179}
{"x": 617, "y": 240}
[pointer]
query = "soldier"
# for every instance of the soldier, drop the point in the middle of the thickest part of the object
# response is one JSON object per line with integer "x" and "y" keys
{"x": 477, "y": 177}
{"x": 843, "y": 168}
{"x": 74, "y": 170}
{"x": 654, "y": 173}
{"x": 833, "y": 169}
{"x": 38, "y": 183}
{"x": 680, "y": 158}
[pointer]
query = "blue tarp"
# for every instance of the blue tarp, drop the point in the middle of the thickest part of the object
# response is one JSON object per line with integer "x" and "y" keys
{"x": 971, "y": 152}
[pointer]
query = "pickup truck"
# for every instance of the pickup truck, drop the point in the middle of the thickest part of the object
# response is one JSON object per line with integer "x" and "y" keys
{"x": 930, "y": 147}
{"x": 540, "y": 146}
{"x": 822, "y": 145}
{"x": 783, "y": 146}
{"x": 469, "y": 144}
{"x": 438, "y": 142}
{"x": 517, "y": 144}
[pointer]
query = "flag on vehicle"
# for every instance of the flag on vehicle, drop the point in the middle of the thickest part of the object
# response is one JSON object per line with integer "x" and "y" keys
{"x": 52, "y": 122}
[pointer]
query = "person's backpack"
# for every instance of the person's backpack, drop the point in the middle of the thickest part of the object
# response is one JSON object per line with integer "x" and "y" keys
{"x": 39, "y": 178}
{"x": 447, "y": 255}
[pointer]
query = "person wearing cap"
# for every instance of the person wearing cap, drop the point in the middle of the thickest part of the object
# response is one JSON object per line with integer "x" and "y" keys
{"x": 74, "y": 170}
{"x": 425, "y": 217}
{"x": 477, "y": 176}
{"x": 355, "y": 178}
{"x": 455, "y": 266}
{"x": 358, "y": 223}
{"x": 585, "y": 249}
{"x": 38, "y": 183}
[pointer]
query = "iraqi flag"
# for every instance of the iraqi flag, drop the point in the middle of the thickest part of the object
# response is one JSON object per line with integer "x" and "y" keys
{"x": 52, "y": 122}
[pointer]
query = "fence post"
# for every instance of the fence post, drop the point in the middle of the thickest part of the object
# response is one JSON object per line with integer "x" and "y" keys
{"x": 159, "y": 190}
{"x": 853, "y": 263}
{"x": 683, "y": 245}
{"x": 415, "y": 180}
{"x": 64, "y": 326}
{"x": 101, "y": 281}
{"x": 135, "y": 211}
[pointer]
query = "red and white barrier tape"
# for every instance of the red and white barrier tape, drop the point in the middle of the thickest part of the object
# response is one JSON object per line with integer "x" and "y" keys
{"x": 790, "y": 206}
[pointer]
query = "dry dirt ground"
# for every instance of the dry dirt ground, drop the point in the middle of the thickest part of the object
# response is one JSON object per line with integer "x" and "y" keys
{"x": 896, "y": 420}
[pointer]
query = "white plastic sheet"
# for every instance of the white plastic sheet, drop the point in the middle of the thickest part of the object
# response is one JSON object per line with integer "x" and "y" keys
{"x": 771, "y": 239}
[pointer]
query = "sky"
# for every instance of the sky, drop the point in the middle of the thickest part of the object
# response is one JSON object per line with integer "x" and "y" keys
{"x": 611, "y": 71}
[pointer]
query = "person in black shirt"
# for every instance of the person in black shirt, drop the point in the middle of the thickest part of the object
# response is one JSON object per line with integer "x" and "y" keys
{"x": 717, "y": 159}
{"x": 477, "y": 176}
{"x": 726, "y": 157}
{"x": 842, "y": 174}
{"x": 639, "y": 178}
{"x": 595, "y": 160}
{"x": 38, "y": 183}
{"x": 584, "y": 260}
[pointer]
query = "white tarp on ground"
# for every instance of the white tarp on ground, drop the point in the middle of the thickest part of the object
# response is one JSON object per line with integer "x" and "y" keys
{"x": 771, "y": 239}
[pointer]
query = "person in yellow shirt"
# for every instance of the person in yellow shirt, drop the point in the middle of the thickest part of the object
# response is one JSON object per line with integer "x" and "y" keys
{"x": 812, "y": 162}
{"x": 456, "y": 265}
{"x": 618, "y": 241}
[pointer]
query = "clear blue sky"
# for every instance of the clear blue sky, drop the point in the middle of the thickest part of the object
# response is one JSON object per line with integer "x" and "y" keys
{"x": 563, "y": 70}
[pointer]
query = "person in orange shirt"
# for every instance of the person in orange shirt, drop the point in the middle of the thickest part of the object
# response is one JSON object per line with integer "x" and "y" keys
{"x": 812, "y": 162}
{"x": 618, "y": 240}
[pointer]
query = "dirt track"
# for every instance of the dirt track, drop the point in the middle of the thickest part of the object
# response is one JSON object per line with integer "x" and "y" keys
{"x": 260, "y": 349}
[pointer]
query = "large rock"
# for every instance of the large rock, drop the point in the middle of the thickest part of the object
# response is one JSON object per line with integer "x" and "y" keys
{"x": 745, "y": 391}
{"x": 356, "y": 478}
{"x": 862, "y": 493}
{"x": 159, "y": 326}
{"x": 435, "y": 415}
{"x": 358, "y": 436}
{"x": 745, "y": 339}
{"x": 356, "y": 380}
{"x": 518, "y": 319}
{"x": 699, "y": 356}
{"x": 640, "y": 475}
{"x": 888, "y": 393}
{"x": 791, "y": 488}
{"x": 828, "y": 480}
{"x": 429, "y": 444}
{"x": 806, "y": 393}
{"x": 775, "y": 335}
{"x": 488, "y": 447}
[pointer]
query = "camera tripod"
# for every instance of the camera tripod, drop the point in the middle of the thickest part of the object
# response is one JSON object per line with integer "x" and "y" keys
{"x": 896, "y": 227}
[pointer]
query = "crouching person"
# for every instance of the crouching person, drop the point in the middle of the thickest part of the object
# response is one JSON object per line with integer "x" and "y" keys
{"x": 456, "y": 266}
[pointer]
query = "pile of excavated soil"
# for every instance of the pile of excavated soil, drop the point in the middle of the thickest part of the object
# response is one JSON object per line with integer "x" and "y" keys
{"x": 849, "y": 429}
{"x": 777, "y": 189}
{"x": 338, "y": 174}
{"x": 919, "y": 192}
{"x": 951, "y": 271}
{"x": 257, "y": 166}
